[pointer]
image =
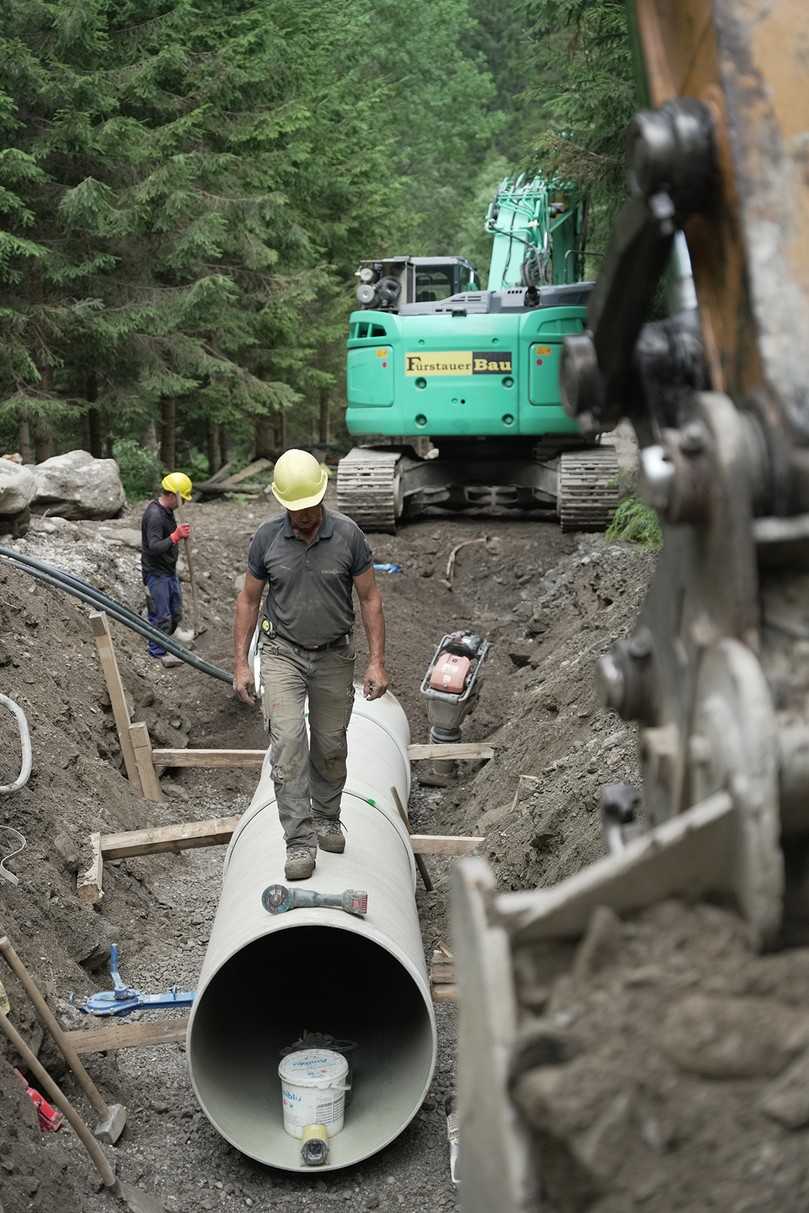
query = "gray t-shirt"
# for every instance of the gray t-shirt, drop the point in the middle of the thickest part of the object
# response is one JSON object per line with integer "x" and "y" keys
{"x": 309, "y": 589}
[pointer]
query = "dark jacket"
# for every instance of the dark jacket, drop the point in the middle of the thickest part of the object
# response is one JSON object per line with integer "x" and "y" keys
{"x": 158, "y": 554}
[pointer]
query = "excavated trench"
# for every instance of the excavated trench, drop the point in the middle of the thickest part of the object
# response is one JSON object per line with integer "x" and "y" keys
{"x": 550, "y": 604}
{"x": 159, "y": 909}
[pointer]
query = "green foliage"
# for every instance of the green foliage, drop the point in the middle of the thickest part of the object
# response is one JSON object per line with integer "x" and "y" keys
{"x": 140, "y": 469}
{"x": 583, "y": 99}
{"x": 635, "y": 522}
{"x": 186, "y": 187}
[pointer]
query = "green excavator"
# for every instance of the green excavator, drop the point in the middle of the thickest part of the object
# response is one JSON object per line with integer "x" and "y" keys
{"x": 454, "y": 390}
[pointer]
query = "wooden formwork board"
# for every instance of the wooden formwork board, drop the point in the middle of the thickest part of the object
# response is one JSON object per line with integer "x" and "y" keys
{"x": 464, "y": 751}
{"x": 218, "y": 831}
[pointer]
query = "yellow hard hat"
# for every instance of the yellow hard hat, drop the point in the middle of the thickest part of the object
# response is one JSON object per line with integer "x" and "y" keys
{"x": 179, "y": 483}
{"x": 299, "y": 481}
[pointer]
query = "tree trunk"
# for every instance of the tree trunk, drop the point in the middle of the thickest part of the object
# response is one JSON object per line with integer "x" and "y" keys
{"x": 96, "y": 433}
{"x": 24, "y": 440}
{"x": 149, "y": 440}
{"x": 43, "y": 440}
{"x": 168, "y": 433}
{"x": 224, "y": 451}
{"x": 264, "y": 437}
{"x": 95, "y": 422}
{"x": 325, "y": 420}
{"x": 281, "y": 430}
{"x": 214, "y": 456}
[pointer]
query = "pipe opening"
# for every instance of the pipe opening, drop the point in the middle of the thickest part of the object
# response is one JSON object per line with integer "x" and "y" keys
{"x": 322, "y": 979}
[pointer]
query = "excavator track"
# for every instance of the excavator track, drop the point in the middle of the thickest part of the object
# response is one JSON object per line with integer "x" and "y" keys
{"x": 589, "y": 490}
{"x": 369, "y": 488}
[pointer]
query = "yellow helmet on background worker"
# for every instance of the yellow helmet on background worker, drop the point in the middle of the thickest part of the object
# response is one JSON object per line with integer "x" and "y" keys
{"x": 299, "y": 481}
{"x": 179, "y": 483}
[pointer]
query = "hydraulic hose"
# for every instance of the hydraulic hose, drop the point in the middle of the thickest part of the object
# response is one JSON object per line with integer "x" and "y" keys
{"x": 25, "y": 747}
{"x": 61, "y": 580}
{"x": 69, "y": 578}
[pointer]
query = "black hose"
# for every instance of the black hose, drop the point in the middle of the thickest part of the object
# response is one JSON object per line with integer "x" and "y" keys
{"x": 60, "y": 580}
{"x": 70, "y": 579}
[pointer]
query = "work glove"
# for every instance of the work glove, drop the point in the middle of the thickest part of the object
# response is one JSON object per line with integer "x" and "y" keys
{"x": 182, "y": 532}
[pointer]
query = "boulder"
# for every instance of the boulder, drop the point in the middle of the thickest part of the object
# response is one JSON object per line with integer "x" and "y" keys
{"x": 76, "y": 485}
{"x": 17, "y": 487}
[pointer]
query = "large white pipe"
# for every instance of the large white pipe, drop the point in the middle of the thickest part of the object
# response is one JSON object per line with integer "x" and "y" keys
{"x": 267, "y": 978}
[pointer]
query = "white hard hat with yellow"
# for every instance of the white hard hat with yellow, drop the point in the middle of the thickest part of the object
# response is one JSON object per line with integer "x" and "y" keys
{"x": 299, "y": 481}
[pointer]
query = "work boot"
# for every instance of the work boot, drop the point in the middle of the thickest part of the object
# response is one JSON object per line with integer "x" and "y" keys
{"x": 330, "y": 836}
{"x": 300, "y": 863}
{"x": 169, "y": 661}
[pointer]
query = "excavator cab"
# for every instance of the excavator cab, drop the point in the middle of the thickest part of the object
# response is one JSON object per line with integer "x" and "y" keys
{"x": 388, "y": 284}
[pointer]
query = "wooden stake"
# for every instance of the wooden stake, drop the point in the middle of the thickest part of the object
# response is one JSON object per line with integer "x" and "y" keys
{"x": 89, "y": 882}
{"x": 420, "y": 864}
{"x": 178, "y": 514}
{"x": 115, "y": 687}
{"x": 143, "y": 757}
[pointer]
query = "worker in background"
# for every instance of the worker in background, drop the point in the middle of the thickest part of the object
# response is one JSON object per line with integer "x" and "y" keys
{"x": 310, "y": 560}
{"x": 160, "y": 540}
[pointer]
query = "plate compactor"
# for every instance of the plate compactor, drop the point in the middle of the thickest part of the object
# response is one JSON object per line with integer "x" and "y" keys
{"x": 451, "y": 687}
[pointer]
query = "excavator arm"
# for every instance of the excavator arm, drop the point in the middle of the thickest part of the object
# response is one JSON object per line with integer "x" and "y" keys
{"x": 537, "y": 229}
{"x": 715, "y": 673}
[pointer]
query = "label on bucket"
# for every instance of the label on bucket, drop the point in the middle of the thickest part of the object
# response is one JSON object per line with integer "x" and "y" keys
{"x": 313, "y": 1086}
{"x": 300, "y": 1111}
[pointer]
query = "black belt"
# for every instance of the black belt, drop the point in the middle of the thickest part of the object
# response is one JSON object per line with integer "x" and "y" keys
{"x": 316, "y": 648}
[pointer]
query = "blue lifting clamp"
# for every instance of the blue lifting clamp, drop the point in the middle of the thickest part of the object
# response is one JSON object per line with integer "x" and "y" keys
{"x": 122, "y": 998}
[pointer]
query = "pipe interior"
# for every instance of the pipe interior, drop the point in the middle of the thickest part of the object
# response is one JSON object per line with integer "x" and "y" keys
{"x": 322, "y": 979}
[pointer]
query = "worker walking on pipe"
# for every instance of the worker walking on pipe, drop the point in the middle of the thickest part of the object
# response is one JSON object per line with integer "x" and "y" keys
{"x": 160, "y": 546}
{"x": 310, "y": 559}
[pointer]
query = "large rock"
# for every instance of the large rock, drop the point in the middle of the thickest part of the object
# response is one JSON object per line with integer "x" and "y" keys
{"x": 76, "y": 485}
{"x": 17, "y": 489}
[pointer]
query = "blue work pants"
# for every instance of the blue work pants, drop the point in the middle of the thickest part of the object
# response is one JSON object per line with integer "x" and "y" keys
{"x": 165, "y": 601}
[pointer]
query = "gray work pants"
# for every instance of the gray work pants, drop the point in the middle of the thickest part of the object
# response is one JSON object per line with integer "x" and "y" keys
{"x": 308, "y": 774}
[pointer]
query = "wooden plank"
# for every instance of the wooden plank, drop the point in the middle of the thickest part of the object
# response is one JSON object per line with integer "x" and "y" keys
{"x": 114, "y": 1036}
{"x": 211, "y": 489}
{"x": 442, "y": 972}
{"x": 452, "y": 750}
{"x": 443, "y": 993}
{"x": 445, "y": 844}
{"x": 88, "y": 883}
{"x": 212, "y": 833}
{"x": 420, "y": 864}
{"x": 218, "y": 830}
{"x": 217, "y": 478}
{"x": 143, "y": 756}
{"x": 115, "y": 687}
{"x": 255, "y": 758}
{"x": 253, "y": 469}
{"x": 208, "y": 758}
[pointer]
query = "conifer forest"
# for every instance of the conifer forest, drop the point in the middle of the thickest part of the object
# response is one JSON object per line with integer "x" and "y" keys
{"x": 186, "y": 188}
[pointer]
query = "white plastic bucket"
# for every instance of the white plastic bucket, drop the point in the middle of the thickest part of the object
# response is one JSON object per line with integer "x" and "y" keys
{"x": 313, "y": 1090}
